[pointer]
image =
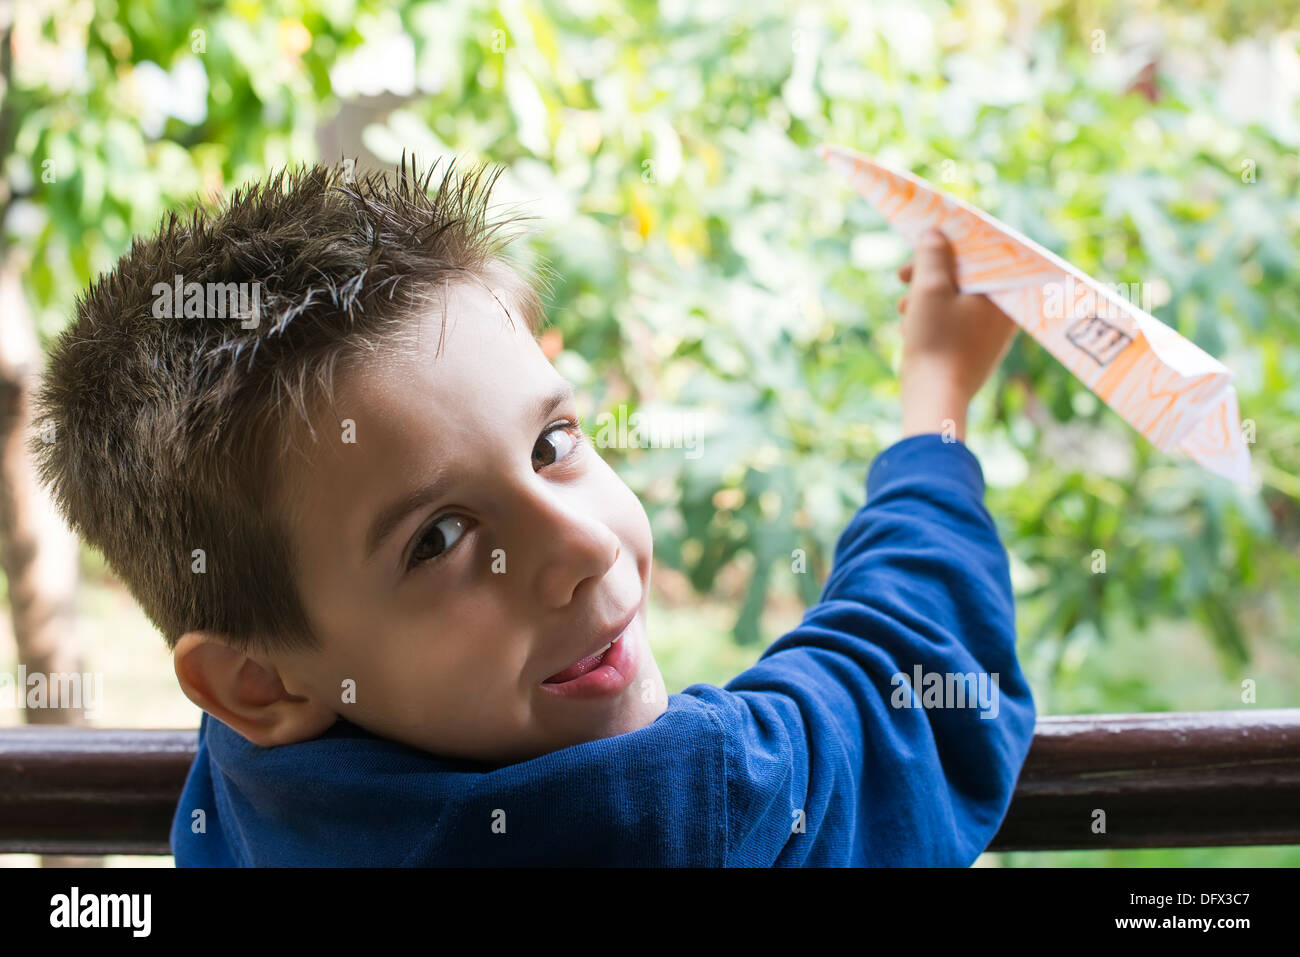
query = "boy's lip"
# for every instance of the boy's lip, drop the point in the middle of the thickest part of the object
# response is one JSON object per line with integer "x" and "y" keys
{"x": 609, "y": 635}
{"x": 615, "y": 670}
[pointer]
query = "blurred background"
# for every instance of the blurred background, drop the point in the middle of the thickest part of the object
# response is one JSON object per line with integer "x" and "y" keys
{"x": 709, "y": 264}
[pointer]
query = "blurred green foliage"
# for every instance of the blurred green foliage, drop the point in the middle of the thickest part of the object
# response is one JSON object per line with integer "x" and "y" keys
{"x": 706, "y": 262}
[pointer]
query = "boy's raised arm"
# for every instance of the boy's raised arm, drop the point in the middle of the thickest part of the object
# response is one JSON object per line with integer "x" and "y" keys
{"x": 890, "y": 726}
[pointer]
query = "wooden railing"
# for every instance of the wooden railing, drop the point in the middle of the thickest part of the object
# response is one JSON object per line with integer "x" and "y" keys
{"x": 1178, "y": 779}
{"x": 1160, "y": 780}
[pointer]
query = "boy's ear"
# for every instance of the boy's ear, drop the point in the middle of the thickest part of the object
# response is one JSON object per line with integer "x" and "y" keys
{"x": 245, "y": 693}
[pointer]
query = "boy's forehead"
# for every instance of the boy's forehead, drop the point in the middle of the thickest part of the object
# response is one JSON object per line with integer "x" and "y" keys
{"x": 461, "y": 353}
{"x": 417, "y": 405}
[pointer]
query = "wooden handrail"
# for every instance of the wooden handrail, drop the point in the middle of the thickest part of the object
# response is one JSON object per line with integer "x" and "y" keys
{"x": 1175, "y": 779}
{"x": 1162, "y": 780}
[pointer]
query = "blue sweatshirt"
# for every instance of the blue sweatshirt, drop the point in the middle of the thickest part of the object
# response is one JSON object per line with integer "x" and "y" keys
{"x": 888, "y": 728}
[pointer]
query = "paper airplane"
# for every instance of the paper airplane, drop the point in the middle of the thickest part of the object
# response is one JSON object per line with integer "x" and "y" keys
{"x": 1166, "y": 387}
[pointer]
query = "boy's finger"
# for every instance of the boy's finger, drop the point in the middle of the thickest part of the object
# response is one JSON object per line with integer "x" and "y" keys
{"x": 936, "y": 265}
{"x": 905, "y": 271}
{"x": 902, "y": 306}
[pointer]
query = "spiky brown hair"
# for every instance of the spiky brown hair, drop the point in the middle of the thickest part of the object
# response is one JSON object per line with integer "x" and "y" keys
{"x": 161, "y": 436}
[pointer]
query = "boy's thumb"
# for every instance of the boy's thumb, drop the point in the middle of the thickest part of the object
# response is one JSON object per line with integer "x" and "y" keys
{"x": 935, "y": 265}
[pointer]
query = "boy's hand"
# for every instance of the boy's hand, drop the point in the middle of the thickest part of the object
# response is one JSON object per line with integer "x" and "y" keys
{"x": 952, "y": 342}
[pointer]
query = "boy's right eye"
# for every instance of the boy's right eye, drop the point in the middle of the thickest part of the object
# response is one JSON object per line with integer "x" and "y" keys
{"x": 438, "y": 538}
{"x": 556, "y": 444}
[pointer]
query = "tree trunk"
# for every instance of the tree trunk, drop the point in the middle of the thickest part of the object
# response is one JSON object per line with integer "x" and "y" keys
{"x": 38, "y": 553}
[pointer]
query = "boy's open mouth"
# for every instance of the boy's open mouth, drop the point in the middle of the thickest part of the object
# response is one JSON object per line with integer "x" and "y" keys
{"x": 580, "y": 667}
{"x": 607, "y": 671}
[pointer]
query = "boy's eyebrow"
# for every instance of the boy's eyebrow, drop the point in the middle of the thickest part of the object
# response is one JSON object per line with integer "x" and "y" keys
{"x": 392, "y": 515}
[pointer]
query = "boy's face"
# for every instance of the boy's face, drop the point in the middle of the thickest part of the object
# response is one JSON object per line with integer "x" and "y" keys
{"x": 521, "y": 552}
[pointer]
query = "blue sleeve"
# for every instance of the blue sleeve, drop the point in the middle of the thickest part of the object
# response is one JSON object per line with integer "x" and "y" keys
{"x": 890, "y": 726}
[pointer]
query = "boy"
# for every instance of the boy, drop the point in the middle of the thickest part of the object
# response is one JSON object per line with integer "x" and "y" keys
{"x": 411, "y": 599}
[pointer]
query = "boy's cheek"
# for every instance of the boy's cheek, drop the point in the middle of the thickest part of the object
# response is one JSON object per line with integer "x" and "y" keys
{"x": 635, "y": 524}
{"x": 622, "y": 512}
{"x": 367, "y": 689}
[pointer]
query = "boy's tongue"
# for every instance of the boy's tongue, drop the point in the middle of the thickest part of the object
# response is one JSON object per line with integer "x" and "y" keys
{"x": 577, "y": 669}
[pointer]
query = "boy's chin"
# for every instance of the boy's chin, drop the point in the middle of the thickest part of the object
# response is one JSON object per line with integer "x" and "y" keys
{"x": 635, "y": 710}
{"x": 635, "y": 714}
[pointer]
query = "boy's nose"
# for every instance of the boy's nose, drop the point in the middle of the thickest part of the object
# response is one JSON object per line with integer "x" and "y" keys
{"x": 568, "y": 546}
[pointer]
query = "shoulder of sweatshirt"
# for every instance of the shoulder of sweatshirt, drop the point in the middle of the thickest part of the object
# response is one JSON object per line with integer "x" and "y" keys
{"x": 651, "y": 797}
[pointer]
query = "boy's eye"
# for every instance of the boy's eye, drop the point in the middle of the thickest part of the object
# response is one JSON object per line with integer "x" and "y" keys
{"x": 553, "y": 446}
{"x": 439, "y": 537}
